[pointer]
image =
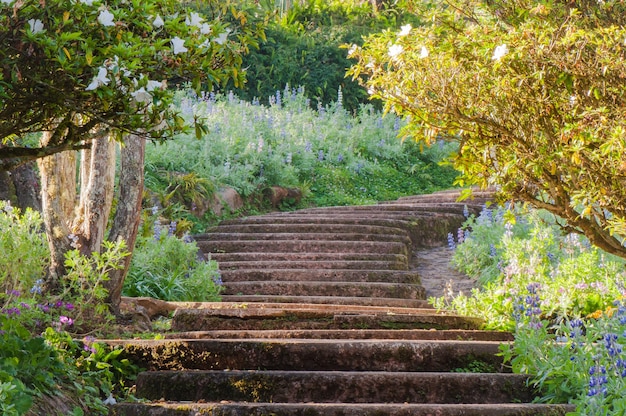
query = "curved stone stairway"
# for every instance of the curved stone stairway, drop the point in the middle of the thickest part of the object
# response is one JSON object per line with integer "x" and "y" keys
{"x": 323, "y": 313}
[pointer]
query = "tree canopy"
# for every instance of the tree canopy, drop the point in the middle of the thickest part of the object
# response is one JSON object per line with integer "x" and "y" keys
{"x": 69, "y": 66}
{"x": 533, "y": 90}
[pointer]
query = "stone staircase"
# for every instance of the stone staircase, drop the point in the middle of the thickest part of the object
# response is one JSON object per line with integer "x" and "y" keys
{"x": 323, "y": 313}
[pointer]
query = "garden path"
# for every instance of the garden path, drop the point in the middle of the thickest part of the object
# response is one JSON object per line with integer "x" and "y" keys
{"x": 437, "y": 275}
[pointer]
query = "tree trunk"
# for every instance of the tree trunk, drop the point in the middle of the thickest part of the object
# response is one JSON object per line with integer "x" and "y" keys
{"x": 58, "y": 196}
{"x": 27, "y": 188}
{"x": 97, "y": 176}
{"x": 128, "y": 212}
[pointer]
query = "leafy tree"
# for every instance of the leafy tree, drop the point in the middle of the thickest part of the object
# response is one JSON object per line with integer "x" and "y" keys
{"x": 534, "y": 92}
{"x": 85, "y": 72}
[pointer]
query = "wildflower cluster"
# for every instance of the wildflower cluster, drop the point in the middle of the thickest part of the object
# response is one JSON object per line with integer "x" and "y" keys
{"x": 512, "y": 253}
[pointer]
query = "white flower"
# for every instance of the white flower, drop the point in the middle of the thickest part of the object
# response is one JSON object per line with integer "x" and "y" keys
{"x": 142, "y": 96}
{"x": 499, "y": 52}
{"x": 221, "y": 39}
{"x": 87, "y": 2}
{"x": 178, "y": 45}
{"x": 36, "y": 26}
{"x": 352, "y": 50}
{"x": 7, "y": 1}
{"x": 205, "y": 29}
{"x": 194, "y": 20}
{"x": 98, "y": 80}
{"x": 395, "y": 50}
{"x": 106, "y": 18}
{"x": 152, "y": 85}
{"x": 405, "y": 30}
{"x": 109, "y": 400}
{"x": 424, "y": 52}
{"x": 158, "y": 21}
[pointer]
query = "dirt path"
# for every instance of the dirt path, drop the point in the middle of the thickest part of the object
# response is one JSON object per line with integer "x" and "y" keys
{"x": 438, "y": 275}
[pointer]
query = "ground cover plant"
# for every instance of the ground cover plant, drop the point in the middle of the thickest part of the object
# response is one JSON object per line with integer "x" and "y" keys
{"x": 333, "y": 157}
{"x": 562, "y": 298}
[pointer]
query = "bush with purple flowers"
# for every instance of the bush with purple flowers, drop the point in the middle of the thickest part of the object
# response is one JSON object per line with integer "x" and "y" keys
{"x": 555, "y": 292}
{"x": 576, "y": 360}
{"x": 506, "y": 250}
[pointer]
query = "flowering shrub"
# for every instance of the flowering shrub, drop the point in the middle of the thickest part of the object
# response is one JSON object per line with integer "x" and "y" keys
{"x": 486, "y": 80}
{"x": 165, "y": 266}
{"x": 81, "y": 64}
{"x": 509, "y": 250}
{"x": 573, "y": 360}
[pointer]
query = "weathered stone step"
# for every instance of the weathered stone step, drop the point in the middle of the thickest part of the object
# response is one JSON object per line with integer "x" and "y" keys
{"x": 359, "y": 334}
{"x": 425, "y": 229}
{"x": 326, "y": 257}
{"x": 310, "y": 265}
{"x": 313, "y": 355}
{"x": 338, "y": 409}
{"x": 328, "y": 300}
{"x": 406, "y": 208}
{"x": 317, "y": 246}
{"x": 345, "y": 219}
{"x": 320, "y": 288}
{"x": 221, "y": 236}
{"x": 318, "y": 275}
{"x": 280, "y": 318}
{"x": 303, "y": 228}
{"x": 478, "y": 197}
{"x": 333, "y": 387}
{"x": 260, "y": 307}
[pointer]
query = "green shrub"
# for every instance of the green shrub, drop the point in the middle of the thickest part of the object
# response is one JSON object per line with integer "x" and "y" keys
{"x": 303, "y": 47}
{"x": 20, "y": 234}
{"x": 167, "y": 267}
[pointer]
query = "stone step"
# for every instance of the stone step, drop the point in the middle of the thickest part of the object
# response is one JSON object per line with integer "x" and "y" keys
{"x": 310, "y": 265}
{"x": 313, "y": 355}
{"x": 317, "y": 246}
{"x": 280, "y": 318}
{"x": 357, "y": 334}
{"x": 260, "y": 307}
{"x": 317, "y": 275}
{"x": 406, "y": 208}
{"x": 478, "y": 197}
{"x": 222, "y": 236}
{"x": 333, "y": 387}
{"x": 425, "y": 229}
{"x": 303, "y": 228}
{"x": 321, "y": 288}
{"x": 345, "y": 219}
{"x": 225, "y": 408}
{"x": 330, "y": 300}
{"x": 318, "y": 257}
